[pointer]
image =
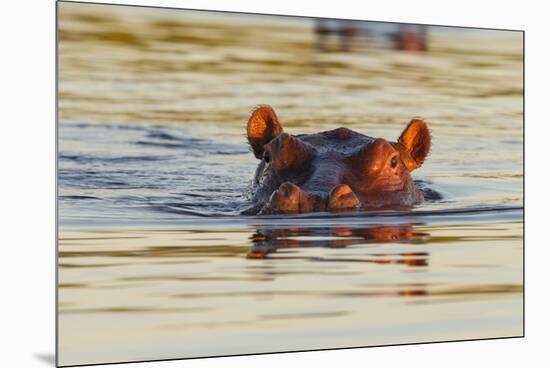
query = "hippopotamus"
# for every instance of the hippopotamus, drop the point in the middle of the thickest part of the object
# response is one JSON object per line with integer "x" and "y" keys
{"x": 335, "y": 170}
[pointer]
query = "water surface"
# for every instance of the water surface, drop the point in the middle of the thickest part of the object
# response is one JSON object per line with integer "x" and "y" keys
{"x": 154, "y": 259}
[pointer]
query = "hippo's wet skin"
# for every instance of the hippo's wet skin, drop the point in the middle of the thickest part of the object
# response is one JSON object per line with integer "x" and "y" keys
{"x": 334, "y": 170}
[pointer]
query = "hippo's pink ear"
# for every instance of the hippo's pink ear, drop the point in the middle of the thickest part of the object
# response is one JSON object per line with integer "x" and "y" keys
{"x": 414, "y": 144}
{"x": 262, "y": 127}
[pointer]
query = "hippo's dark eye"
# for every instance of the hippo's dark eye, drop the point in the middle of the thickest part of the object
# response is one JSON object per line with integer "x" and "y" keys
{"x": 393, "y": 162}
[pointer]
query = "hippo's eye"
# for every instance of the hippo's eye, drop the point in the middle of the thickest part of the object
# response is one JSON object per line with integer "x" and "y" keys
{"x": 393, "y": 162}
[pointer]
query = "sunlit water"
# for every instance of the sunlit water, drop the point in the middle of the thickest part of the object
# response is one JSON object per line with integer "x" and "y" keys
{"x": 156, "y": 262}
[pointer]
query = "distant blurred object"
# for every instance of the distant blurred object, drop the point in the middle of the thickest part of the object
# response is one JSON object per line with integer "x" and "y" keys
{"x": 352, "y": 35}
{"x": 411, "y": 37}
{"x": 345, "y": 30}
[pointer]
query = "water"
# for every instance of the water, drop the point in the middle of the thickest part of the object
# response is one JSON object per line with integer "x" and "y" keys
{"x": 156, "y": 262}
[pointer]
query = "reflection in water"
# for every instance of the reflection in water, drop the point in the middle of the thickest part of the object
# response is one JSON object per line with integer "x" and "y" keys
{"x": 268, "y": 240}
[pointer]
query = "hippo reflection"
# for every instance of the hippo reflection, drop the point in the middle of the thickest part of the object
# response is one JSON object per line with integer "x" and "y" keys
{"x": 269, "y": 240}
{"x": 333, "y": 170}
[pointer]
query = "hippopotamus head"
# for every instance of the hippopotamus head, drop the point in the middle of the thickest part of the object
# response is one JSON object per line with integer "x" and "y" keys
{"x": 334, "y": 170}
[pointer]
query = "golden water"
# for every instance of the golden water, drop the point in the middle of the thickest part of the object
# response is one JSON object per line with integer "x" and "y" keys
{"x": 154, "y": 260}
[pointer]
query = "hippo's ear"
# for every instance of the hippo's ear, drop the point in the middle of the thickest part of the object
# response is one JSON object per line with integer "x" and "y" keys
{"x": 262, "y": 127}
{"x": 414, "y": 144}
